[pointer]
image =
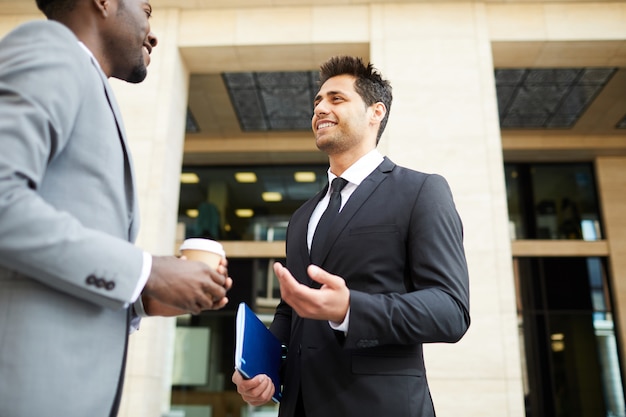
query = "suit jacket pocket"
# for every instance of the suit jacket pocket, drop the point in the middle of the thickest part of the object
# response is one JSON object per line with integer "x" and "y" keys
{"x": 385, "y": 365}
{"x": 374, "y": 228}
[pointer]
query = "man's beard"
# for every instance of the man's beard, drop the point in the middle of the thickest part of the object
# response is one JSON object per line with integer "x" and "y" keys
{"x": 138, "y": 74}
{"x": 333, "y": 144}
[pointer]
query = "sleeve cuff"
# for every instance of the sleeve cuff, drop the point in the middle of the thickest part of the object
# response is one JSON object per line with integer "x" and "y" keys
{"x": 343, "y": 326}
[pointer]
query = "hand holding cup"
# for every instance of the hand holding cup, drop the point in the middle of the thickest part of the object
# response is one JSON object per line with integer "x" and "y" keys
{"x": 177, "y": 286}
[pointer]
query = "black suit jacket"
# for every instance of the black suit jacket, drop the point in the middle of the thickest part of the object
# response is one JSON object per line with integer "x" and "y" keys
{"x": 398, "y": 243}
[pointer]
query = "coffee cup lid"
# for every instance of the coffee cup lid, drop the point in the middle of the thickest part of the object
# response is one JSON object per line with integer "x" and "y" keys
{"x": 203, "y": 244}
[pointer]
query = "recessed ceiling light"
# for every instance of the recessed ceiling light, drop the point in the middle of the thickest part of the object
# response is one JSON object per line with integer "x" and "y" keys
{"x": 244, "y": 213}
{"x": 245, "y": 177}
{"x": 189, "y": 178}
{"x": 271, "y": 196}
{"x": 193, "y": 213}
{"x": 304, "y": 176}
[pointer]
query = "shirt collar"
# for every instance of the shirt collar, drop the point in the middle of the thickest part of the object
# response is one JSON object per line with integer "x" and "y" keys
{"x": 93, "y": 58}
{"x": 358, "y": 171}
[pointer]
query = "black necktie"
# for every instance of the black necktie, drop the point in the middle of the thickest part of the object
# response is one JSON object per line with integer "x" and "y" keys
{"x": 327, "y": 219}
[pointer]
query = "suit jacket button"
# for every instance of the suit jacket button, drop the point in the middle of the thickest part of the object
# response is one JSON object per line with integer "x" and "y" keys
{"x": 91, "y": 280}
{"x": 100, "y": 283}
{"x": 110, "y": 285}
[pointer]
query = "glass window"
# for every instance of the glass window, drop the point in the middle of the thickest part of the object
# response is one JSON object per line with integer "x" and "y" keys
{"x": 205, "y": 344}
{"x": 245, "y": 203}
{"x": 552, "y": 201}
{"x": 233, "y": 203}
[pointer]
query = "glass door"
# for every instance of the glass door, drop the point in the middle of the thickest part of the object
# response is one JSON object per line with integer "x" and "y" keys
{"x": 572, "y": 365}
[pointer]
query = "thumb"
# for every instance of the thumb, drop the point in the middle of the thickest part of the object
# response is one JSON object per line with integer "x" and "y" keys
{"x": 319, "y": 275}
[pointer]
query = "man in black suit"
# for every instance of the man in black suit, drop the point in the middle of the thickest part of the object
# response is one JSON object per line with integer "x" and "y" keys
{"x": 390, "y": 275}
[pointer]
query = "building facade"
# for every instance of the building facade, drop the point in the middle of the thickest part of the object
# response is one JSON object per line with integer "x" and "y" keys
{"x": 442, "y": 59}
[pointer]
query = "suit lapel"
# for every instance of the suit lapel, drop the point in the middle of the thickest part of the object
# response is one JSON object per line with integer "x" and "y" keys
{"x": 357, "y": 199}
{"x": 128, "y": 170}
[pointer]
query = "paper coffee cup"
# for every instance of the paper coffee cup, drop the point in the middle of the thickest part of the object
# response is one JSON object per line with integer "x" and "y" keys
{"x": 204, "y": 250}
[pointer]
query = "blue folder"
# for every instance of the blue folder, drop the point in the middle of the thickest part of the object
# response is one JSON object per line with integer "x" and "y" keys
{"x": 257, "y": 350}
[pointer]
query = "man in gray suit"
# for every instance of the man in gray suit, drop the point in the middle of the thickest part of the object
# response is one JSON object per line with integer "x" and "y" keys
{"x": 390, "y": 274}
{"x": 71, "y": 280}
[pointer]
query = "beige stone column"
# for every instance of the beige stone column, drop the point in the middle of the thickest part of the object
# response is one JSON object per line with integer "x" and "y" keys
{"x": 154, "y": 115}
{"x": 444, "y": 120}
{"x": 611, "y": 177}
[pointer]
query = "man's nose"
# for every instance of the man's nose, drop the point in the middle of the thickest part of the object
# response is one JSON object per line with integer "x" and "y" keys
{"x": 152, "y": 39}
{"x": 320, "y": 109}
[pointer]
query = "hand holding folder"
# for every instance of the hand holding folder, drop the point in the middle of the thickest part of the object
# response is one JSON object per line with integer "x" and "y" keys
{"x": 257, "y": 350}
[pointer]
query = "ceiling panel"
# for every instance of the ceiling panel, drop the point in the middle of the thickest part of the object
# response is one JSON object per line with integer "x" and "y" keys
{"x": 576, "y": 100}
{"x": 547, "y": 98}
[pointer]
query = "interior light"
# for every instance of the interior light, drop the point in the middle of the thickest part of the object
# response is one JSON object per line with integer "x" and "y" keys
{"x": 558, "y": 342}
{"x": 189, "y": 178}
{"x": 244, "y": 213}
{"x": 193, "y": 213}
{"x": 304, "y": 176}
{"x": 558, "y": 346}
{"x": 246, "y": 177}
{"x": 271, "y": 196}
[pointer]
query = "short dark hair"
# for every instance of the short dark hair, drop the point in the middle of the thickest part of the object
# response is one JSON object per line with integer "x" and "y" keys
{"x": 54, "y": 9}
{"x": 369, "y": 83}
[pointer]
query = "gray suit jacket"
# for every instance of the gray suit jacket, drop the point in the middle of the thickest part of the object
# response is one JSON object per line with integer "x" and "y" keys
{"x": 398, "y": 243}
{"x": 67, "y": 219}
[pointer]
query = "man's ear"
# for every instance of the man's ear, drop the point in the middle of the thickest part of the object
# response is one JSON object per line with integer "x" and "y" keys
{"x": 103, "y": 6}
{"x": 379, "y": 110}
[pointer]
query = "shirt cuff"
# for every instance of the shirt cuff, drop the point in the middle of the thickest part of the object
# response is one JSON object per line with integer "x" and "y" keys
{"x": 135, "y": 321}
{"x": 145, "y": 274}
{"x": 146, "y": 268}
{"x": 137, "y": 305}
{"x": 138, "y": 308}
{"x": 343, "y": 326}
